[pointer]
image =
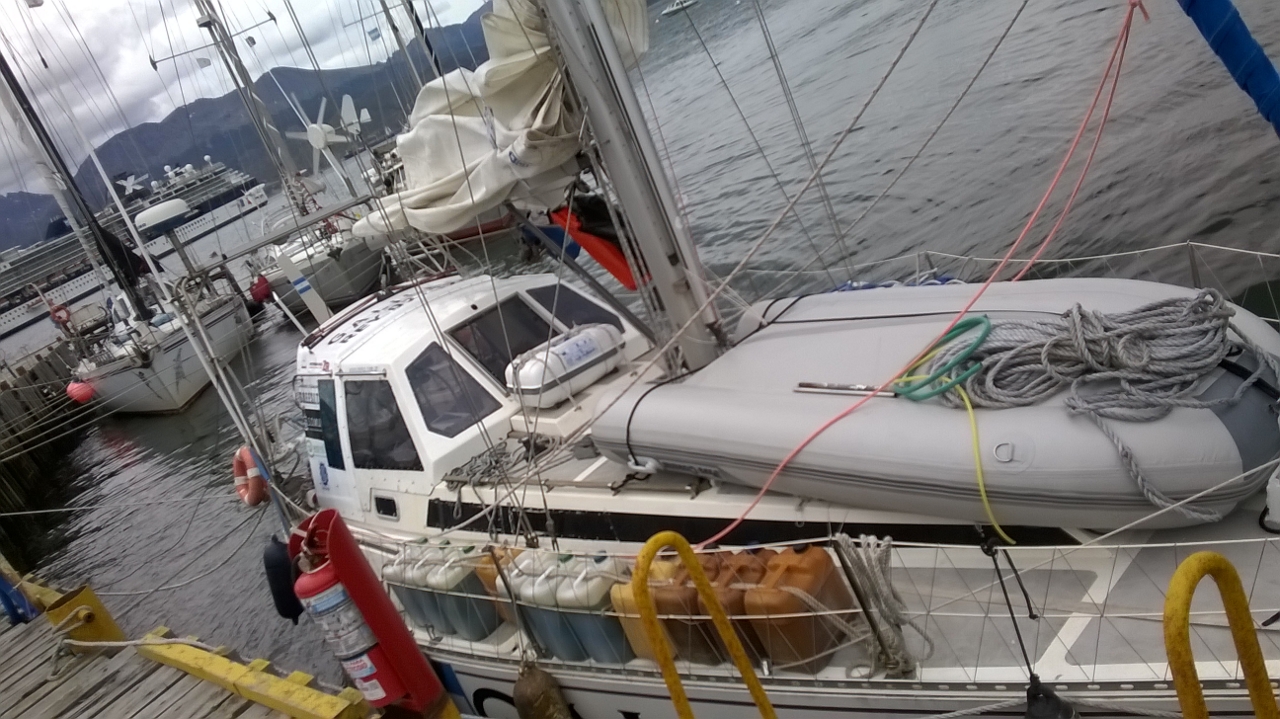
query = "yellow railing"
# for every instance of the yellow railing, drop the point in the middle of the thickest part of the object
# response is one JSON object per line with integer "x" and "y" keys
{"x": 1177, "y": 635}
{"x": 658, "y": 638}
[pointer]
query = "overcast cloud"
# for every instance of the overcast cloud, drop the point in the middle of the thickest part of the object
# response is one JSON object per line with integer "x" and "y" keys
{"x": 92, "y": 45}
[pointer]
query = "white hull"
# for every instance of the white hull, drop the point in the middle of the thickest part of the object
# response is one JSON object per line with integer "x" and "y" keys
{"x": 487, "y": 688}
{"x": 174, "y": 376}
{"x": 218, "y": 217}
{"x": 34, "y": 310}
{"x": 338, "y": 281}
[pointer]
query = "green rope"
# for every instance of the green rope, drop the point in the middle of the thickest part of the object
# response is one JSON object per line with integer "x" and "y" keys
{"x": 923, "y": 389}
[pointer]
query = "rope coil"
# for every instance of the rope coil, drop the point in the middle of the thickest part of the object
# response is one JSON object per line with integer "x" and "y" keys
{"x": 1134, "y": 366}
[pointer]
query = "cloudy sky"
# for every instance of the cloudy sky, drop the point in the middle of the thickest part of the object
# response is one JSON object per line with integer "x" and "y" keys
{"x": 97, "y": 53}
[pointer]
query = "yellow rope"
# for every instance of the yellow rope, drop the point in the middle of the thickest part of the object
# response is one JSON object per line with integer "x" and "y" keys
{"x": 977, "y": 465}
{"x": 658, "y": 638}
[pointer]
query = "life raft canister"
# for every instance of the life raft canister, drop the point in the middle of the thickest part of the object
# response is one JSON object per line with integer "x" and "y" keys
{"x": 250, "y": 484}
{"x": 602, "y": 250}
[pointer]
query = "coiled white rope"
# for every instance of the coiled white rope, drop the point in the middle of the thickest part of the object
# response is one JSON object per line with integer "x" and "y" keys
{"x": 869, "y": 562}
{"x": 1131, "y": 366}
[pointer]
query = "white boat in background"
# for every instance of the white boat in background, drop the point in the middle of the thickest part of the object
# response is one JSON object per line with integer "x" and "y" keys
{"x": 678, "y": 6}
{"x": 151, "y": 367}
{"x": 188, "y": 204}
{"x": 338, "y": 267}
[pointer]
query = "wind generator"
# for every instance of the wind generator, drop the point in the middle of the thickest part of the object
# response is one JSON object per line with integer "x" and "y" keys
{"x": 322, "y": 136}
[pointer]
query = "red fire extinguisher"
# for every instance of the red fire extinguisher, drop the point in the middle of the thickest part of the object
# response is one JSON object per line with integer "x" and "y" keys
{"x": 343, "y": 595}
{"x": 348, "y": 634}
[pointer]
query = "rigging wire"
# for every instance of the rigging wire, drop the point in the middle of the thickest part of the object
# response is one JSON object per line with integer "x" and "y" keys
{"x": 805, "y": 145}
{"x": 804, "y": 230}
{"x": 751, "y": 251}
{"x": 956, "y": 319}
{"x": 928, "y": 139}
{"x": 1117, "y": 59}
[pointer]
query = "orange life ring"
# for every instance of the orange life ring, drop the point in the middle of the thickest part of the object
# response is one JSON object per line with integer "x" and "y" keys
{"x": 60, "y": 314}
{"x": 250, "y": 484}
{"x": 607, "y": 253}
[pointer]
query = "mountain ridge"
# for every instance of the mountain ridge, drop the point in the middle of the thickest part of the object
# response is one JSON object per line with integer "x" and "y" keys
{"x": 221, "y": 128}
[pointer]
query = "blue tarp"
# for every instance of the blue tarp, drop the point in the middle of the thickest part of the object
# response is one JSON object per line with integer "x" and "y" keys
{"x": 1224, "y": 29}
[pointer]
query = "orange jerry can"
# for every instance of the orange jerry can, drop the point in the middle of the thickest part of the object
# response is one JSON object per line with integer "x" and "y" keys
{"x": 745, "y": 567}
{"x": 623, "y": 598}
{"x": 793, "y": 636}
{"x": 488, "y": 574}
{"x": 693, "y": 639}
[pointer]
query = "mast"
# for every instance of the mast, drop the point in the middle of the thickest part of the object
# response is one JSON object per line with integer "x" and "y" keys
{"x": 61, "y": 181}
{"x": 258, "y": 114}
{"x": 421, "y": 33}
{"x": 395, "y": 32}
{"x": 596, "y": 71}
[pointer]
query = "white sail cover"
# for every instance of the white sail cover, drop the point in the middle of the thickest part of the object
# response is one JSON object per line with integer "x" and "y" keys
{"x": 478, "y": 139}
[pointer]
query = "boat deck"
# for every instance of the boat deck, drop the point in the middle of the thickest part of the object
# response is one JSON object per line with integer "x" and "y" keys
{"x": 123, "y": 686}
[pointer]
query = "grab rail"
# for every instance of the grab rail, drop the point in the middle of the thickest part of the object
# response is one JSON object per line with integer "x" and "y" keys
{"x": 658, "y": 638}
{"x": 1177, "y": 635}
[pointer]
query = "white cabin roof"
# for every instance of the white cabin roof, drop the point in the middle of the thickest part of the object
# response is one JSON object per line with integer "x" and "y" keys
{"x": 375, "y": 336}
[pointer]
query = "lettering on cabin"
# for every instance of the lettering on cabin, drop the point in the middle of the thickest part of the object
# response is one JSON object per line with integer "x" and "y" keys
{"x": 371, "y": 317}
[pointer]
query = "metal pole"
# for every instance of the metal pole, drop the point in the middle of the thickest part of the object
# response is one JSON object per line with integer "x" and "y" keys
{"x": 27, "y": 119}
{"x": 587, "y": 52}
{"x": 257, "y": 109}
{"x": 395, "y": 32}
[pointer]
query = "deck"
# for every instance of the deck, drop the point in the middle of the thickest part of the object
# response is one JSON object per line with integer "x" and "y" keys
{"x": 123, "y": 686}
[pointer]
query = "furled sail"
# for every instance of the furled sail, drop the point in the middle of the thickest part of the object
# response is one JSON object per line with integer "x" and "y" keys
{"x": 500, "y": 133}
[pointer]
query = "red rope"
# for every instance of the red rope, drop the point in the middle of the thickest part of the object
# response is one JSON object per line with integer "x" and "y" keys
{"x": 1117, "y": 59}
{"x": 1116, "y": 55}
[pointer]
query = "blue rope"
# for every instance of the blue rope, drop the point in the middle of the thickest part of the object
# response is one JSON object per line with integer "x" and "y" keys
{"x": 1229, "y": 37}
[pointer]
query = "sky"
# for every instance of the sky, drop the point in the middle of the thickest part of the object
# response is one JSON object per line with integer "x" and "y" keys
{"x": 98, "y": 55}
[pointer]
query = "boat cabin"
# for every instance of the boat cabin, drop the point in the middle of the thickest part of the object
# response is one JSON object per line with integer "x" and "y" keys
{"x": 407, "y": 389}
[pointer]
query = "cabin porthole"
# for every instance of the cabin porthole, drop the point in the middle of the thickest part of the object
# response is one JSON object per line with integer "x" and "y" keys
{"x": 386, "y": 507}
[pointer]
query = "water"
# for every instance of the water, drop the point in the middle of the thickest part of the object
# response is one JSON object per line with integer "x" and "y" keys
{"x": 1185, "y": 156}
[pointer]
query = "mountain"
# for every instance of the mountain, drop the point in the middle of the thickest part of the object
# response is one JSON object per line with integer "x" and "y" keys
{"x": 220, "y": 127}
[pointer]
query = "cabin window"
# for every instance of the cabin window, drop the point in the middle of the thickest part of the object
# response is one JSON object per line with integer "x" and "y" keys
{"x": 329, "y": 424}
{"x": 501, "y": 333}
{"x": 572, "y": 308}
{"x": 450, "y": 399}
{"x": 377, "y": 432}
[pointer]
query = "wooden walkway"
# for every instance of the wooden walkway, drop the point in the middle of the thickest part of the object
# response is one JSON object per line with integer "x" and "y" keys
{"x": 123, "y": 686}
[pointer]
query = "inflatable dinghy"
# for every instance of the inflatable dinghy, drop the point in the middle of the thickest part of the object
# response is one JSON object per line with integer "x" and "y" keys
{"x": 801, "y": 361}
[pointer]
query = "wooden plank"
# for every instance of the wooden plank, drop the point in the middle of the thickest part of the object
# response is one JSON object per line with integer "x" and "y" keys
{"x": 257, "y": 711}
{"x": 80, "y": 688}
{"x": 16, "y": 665}
{"x": 200, "y": 700}
{"x": 142, "y": 694}
{"x": 34, "y": 633}
{"x": 21, "y": 636}
{"x": 37, "y": 686}
{"x": 166, "y": 704}
{"x": 229, "y": 708}
{"x": 32, "y": 677}
{"x": 135, "y": 671}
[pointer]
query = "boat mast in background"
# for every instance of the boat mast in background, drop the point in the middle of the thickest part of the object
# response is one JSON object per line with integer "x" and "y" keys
{"x": 595, "y": 69}
{"x": 258, "y": 113}
{"x": 61, "y": 181}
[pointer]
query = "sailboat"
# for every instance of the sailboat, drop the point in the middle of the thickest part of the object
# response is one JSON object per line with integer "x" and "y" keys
{"x": 145, "y": 357}
{"x": 936, "y": 498}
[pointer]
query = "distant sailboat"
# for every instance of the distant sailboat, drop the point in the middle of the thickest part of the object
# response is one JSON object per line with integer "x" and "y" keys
{"x": 678, "y": 6}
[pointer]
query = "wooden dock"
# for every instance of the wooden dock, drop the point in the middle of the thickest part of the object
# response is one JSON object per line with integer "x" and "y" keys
{"x": 124, "y": 686}
{"x": 37, "y": 423}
